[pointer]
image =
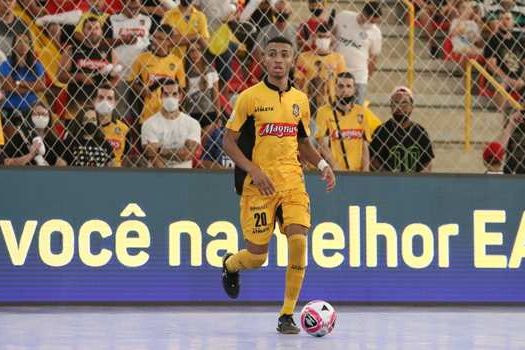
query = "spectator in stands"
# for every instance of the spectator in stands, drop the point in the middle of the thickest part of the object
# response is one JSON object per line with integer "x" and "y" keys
{"x": 10, "y": 26}
{"x": 323, "y": 62}
{"x": 281, "y": 27}
{"x": 87, "y": 145}
{"x": 22, "y": 77}
{"x": 85, "y": 65}
{"x": 129, "y": 33}
{"x": 154, "y": 65}
{"x": 401, "y": 145}
{"x": 496, "y": 8}
{"x": 97, "y": 9}
{"x": 504, "y": 54}
{"x": 345, "y": 128}
{"x": 434, "y": 15}
{"x": 465, "y": 32}
{"x": 156, "y": 9}
{"x": 214, "y": 156}
{"x": 202, "y": 96}
{"x": 308, "y": 28}
{"x": 54, "y": 148}
{"x": 115, "y": 131}
{"x": 493, "y": 158}
{"x": 171, "y": 137}
{"x": 359, "y": 40}
{"x": 190, "y": 25}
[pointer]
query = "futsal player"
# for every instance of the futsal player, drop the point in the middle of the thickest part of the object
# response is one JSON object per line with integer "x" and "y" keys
{"x": 266, "y": 132}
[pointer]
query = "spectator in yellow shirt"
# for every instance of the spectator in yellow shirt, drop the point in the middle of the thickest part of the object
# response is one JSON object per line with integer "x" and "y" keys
{"x": 324, "y": 62}
{"x": 190, "y": 25}
{"x": 152, "y": 66}
{"x": 345, "y": 128}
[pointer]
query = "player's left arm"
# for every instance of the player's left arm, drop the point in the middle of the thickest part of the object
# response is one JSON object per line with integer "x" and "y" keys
{"x": 309, "y": 153}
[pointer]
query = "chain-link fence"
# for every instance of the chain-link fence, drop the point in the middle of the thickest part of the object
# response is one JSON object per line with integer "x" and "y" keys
{"x": 100, "y": 82}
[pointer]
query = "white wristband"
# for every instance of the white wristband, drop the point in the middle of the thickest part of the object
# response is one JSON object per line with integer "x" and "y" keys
{"x": 322, "y": 164}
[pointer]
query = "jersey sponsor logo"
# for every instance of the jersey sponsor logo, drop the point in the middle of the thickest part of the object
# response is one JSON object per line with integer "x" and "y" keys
{"x": 278, "y": 129}
{"x": 350, "y": 42}
{"x": 140, "y": 32}
{"x": 351, "y": 134}
{"x": 263, "y": 109}
{"x": 91, "y": 64}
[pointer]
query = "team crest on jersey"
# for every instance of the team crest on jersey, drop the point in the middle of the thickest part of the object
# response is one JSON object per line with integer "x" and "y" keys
{"x": 118, "y": 130}
{"x": 172, "y": 66}
{"x": 360, "y": 118}
{"x": 295, "y": 110}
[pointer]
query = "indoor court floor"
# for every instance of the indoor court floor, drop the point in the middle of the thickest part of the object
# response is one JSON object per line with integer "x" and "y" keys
{"x": 253, "y": 328}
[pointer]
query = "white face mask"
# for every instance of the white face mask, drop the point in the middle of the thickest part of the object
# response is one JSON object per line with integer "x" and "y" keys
{"x": 40, "y": 121}
{"x": 104, "y": 107}
{"x": 170, "y": 104}
{"x": 323, "y": 44}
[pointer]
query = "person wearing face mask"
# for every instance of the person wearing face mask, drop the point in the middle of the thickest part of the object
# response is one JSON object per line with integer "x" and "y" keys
{"x": 504, "y": 54}
{"x": 54, "y": 149}
{"x": 170, "y": 137}
{"x": 86, "y": 145}
{"x": 323, "y": 63}
{"x": 189, "y": 25}
{"x": 308, "y": 28}
{"x": 115, "y": 131}
{"x": 157, "y": 63}
{"x": 344, "y": 128}
{"x": 359, "y": 41}
{"x": 280, "y": 28}
{"x": 401, "y": 145}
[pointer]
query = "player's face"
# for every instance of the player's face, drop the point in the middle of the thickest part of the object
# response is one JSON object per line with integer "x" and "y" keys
{"x": 401, "y": 104}
{"x": 278, "y": 60}
{"x": 344, "y": 87}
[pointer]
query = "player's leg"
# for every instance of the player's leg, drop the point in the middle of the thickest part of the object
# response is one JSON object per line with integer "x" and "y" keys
{"x": 296, "y": 221}
{"x": 257, "y": 222}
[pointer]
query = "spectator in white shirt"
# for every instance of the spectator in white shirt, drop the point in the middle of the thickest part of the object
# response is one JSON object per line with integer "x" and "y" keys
{"x": 170, "y": 137}
{"x": 359, "y": 40}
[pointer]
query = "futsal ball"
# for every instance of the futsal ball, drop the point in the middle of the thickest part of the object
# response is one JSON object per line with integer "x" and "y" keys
{"x": 318, "y": 318}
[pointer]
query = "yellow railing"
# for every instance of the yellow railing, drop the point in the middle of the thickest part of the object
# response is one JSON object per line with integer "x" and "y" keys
{"x": 468, "y": 97}
{"x": 411, "y": 58}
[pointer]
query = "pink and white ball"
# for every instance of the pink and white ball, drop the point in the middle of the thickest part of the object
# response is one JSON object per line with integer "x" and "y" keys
{"x": 318, "y": 318}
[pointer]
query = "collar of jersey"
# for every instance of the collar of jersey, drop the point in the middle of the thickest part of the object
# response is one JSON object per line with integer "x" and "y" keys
{"x": 275, "y": 88}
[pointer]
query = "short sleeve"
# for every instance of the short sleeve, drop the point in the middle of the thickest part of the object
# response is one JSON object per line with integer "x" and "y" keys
{"x": 240, "y": 113}
{"x": 372, "y": 122}
{"x": 305, "y": 119}
{"x": 322, "y": 124}
{"x": 148, "y": 134}
{"x": 5, "y": 69}
{"x": 376, "y": 42}
{"x": 194, "y": 131}
{"x": 203, "y": 26}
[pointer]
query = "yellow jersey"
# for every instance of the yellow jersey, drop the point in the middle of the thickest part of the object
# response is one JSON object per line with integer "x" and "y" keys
{"x": 116, "y": 133}
{"x": 196, "y": 23}
{"x": 355, "y": 127}
{"x": 270, "y": 123}
{"x": 150, "y": 68}
{"x": 309, "y": 65}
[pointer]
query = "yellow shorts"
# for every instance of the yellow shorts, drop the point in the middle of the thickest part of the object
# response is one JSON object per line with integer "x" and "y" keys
{"x": 259, "y": 214}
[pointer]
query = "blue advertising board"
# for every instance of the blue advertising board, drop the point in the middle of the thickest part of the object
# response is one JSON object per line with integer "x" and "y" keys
{"x": 158, "y": 236}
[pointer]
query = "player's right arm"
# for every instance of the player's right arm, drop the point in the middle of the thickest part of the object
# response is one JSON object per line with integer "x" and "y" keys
{"x": 231, "y": 148}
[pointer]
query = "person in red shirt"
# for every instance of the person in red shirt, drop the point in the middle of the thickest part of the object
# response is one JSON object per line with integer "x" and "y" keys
{"x": 308, "y": 28}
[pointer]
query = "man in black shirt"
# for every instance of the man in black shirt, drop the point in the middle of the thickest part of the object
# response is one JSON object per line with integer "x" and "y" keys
{"x": 505, "y": 52}
{"x": 401, "y": 145}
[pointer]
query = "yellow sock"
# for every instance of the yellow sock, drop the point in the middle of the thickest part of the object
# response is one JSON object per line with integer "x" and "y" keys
{"x": 295, "y": 272}
{"x": 244, "y": 260}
